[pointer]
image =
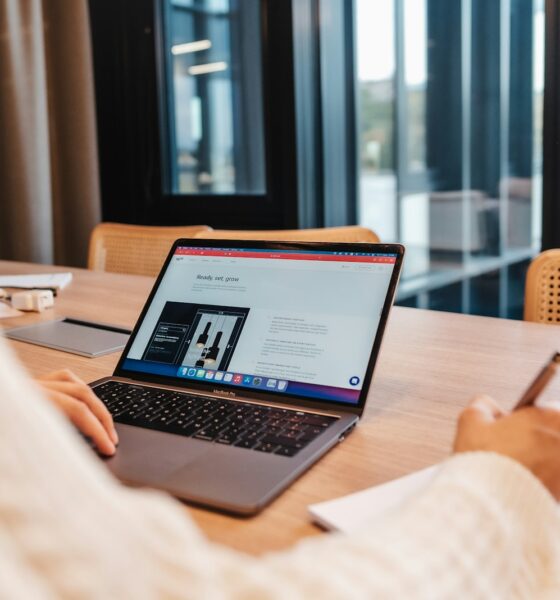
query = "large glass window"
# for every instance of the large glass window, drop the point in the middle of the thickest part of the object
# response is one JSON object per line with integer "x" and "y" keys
{"x": 214, "y": 98}
{"x": 241, "y": 114}
{"x": 451, "y": 99}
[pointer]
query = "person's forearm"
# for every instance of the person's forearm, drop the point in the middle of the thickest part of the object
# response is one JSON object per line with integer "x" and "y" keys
{"x": 485, "y": 527}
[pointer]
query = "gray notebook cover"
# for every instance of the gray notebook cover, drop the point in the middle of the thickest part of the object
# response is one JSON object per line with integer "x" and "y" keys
{"x": 69, "y": 335}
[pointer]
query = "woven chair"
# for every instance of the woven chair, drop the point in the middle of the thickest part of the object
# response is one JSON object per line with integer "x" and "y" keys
{"x": 542, "y": 289}
{"x": 326, "y": 234}
{"x": 134, "y": 249}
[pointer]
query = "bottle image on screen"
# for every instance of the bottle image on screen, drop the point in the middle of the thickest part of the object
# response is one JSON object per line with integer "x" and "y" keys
{"x": 203, "y": 337}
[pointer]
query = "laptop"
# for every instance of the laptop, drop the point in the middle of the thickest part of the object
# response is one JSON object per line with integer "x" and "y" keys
{"x": 249, "y": 361}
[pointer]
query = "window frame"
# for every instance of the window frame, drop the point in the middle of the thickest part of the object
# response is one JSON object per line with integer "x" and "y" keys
{"x": 551, "y": 129}
{"x": 129, "y": 73}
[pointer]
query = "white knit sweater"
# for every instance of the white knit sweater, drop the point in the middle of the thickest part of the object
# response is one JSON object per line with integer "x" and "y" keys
{"x": 486, "y": 528}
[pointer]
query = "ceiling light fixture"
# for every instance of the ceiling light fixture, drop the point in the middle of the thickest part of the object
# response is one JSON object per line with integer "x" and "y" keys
{"x": 208, "y": 68}
{"x": 191, "y": 47}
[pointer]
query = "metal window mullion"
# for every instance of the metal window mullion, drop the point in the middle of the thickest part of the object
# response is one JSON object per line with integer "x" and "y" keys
{"x": 337, "y": 85}
{"x": 466, "y": 138}
{"x": 551, "y": 129}
{"x": 168, "y": 133}
{"x": 505, "y": 41}
{"x": 308, "y": 125}
{"x": 400, "y": 114}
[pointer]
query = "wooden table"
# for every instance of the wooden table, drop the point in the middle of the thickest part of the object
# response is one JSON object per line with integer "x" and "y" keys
{"x": 430, "y": 365}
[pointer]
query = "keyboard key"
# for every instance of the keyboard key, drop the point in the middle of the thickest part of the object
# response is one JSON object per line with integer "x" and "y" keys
{"x": 225, "y": 441}
{"x": 282, "y": 440}
{"x": 208, "y": 433}
{"x": 316, "y": 420}
{"x": 245, "y": 443}
{"x": 266, "y": 447}
{"x": 286, "y": 451}
{"x": 190, "y": 429}
{"x": 204, "y": 435}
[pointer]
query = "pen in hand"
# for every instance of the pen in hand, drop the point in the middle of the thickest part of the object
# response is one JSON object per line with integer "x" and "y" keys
{"x": 540, "y": 382}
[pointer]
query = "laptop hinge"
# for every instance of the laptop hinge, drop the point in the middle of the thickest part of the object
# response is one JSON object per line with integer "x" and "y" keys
{"x": 320, "y": 407}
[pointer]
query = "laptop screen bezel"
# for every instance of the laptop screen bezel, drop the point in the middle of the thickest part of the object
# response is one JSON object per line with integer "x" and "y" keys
{"x": 263, "y": 395}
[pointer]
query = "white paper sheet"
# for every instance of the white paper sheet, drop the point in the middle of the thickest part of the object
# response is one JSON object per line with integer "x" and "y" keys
{"x": 41, "y": 280}
{"x": 348, "y": 513}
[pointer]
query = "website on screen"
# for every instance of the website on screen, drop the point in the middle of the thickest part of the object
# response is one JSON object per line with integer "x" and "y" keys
{"x": 294, "y": 322}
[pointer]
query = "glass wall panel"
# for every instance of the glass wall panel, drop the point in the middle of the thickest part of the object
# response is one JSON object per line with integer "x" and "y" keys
{"x": 467, "y": 79}
{"x": 416, "y": 80}
{"x": 215, "y": 117}
{"x": 375, "y": 55}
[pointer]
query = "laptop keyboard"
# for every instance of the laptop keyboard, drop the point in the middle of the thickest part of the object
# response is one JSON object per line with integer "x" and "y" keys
{"x": 252, "y": 426}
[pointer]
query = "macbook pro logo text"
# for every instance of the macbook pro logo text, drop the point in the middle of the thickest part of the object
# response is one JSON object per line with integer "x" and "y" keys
{"x": 225, "y": 393}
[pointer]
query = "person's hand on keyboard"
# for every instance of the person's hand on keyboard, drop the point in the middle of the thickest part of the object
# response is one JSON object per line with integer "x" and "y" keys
{"x": 77, "y": 401}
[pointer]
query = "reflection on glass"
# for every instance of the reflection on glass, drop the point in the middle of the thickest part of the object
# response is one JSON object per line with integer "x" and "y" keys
{"x": 215, "y": 102}
{"x": 376, "y": 92}
{"x": 416, "y": 78}
{"x": 464, "y": 117}
{"x": 538, "y": 99}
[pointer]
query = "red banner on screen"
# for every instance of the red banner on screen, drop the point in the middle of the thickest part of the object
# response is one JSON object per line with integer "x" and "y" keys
{"x": 268, "y": 255}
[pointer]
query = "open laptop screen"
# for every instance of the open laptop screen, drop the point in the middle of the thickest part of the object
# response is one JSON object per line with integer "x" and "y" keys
{"x": 296, "y": 322}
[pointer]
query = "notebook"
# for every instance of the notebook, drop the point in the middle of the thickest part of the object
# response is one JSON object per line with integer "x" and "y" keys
{"x": 348, "y": 513}
{"x": 54, "y": 281}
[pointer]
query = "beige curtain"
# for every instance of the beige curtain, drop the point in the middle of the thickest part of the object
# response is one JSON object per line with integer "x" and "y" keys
{"x": 49, "y": 184}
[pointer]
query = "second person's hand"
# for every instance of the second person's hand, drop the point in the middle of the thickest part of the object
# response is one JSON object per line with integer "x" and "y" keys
{"x": 531, "y": 436}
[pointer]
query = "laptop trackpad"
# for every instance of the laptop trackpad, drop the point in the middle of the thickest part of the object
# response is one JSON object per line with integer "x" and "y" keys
{"x": 148, "y": 457}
